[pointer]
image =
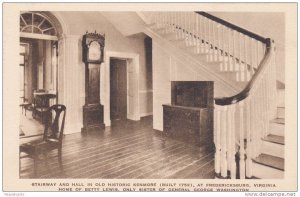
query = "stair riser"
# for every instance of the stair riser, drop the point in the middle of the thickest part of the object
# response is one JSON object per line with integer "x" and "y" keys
{"x": 280, "y": 112}
{"x": 273, "y": 149}
{"x": 280, "y": 98}
{"x": 276, "y": 129}
{"x": 265, "y": 172}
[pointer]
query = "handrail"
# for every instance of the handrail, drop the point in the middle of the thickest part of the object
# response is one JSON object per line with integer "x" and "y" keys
{"x": 236, "y": 28}
{"x": 245, "y": 92}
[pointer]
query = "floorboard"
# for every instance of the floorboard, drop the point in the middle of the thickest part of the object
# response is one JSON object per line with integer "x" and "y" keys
{"x": 127, "y": 150}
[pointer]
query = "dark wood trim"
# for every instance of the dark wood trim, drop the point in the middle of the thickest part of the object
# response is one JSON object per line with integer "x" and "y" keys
{"x": 245, "y": 92}
{"x": 234, "y": 27}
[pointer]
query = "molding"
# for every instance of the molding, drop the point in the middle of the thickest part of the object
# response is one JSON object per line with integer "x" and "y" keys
{"x": 37, "y": 36}
{"x": 146, "y": 114}
{"x": 133, "y": 117}
{"x": 117, "y": 54}
{"x": 73, "y": 128}
{"x": 135, "y": 65}
{"x": 107, "y": 123}
{"x": 143, "y": 17}
{"x": 145, "y": 91}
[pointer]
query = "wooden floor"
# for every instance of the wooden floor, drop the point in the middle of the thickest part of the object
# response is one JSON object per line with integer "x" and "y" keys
{"x": 127, "y": 150}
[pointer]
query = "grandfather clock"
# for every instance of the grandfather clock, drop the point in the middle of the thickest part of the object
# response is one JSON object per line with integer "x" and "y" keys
{"x": 92, "y": 48}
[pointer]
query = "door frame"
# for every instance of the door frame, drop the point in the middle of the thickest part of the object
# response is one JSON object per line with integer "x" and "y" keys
{"x": 132, "y": 63}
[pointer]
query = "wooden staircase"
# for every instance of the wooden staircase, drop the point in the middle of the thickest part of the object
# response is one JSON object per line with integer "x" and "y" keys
{"x": 219, "y": 64}
{"x": 270, "y": 163}
{"x": 249, "y": 123}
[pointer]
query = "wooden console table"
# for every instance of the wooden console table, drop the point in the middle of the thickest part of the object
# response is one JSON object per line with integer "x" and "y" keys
{"x": 190, "y": 114}
{"x": 191, "y": 124}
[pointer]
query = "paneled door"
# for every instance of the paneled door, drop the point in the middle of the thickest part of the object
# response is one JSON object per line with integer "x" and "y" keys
{"x": 118, "y": 89}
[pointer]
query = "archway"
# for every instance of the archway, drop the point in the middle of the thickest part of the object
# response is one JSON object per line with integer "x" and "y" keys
{"x": 39, "y": 35}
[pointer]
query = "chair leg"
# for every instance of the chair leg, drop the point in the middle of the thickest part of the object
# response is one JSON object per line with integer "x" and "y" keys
{"x": 35, "y": 166}
{"x": 60, "y": 159}
{"x": 19, "y": 164}
{"x": 46, "y": 160}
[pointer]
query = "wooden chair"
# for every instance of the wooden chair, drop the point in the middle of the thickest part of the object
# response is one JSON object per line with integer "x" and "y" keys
{"x": 26, "y": 106}
{"x": 38, "y": 106}
{"x": 52, "y": 138}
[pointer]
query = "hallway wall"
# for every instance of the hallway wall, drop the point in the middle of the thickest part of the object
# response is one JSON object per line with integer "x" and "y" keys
{"x": 71, "y": 84}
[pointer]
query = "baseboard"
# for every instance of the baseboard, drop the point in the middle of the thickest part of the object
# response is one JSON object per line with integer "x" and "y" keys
{"x": 146, "y": 114}
{"x": 74, "y": 128}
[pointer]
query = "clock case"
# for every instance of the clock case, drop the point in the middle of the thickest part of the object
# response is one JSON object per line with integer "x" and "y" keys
{"x": 87, "y": 39}
{"x": 93, "y": 111}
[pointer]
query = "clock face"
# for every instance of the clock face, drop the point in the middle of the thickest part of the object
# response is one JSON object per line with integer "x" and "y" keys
{"x": 94, "y": 51}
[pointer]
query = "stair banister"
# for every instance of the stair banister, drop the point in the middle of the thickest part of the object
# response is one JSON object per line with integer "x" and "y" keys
{"x": 245, "y": 92}
{"x": 234, "y": 27}
{"x": 241, "y": 120}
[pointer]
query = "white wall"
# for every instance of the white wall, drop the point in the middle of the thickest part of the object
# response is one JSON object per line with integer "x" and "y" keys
{"x": 71, "y": 80}
{"x": 267, "y": 24}
{"x": 167, "y": 67}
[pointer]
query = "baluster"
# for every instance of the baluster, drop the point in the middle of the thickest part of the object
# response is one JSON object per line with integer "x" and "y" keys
{"x": 193, "y": 26}
{"x": 240, "y": 57}
{"x": 175, "y": 23}
{"x": 207, "y": 38}
{"x": 247, "y": 77}
{"x": 186, "y": 28}
{"x": 229, "y": 136}
{"x": 198, "y": 37}
{"x": 235, "y": 67}
{"x": 172, "y": 22}
{"x": 219, "y": 31}
{"x": 251, "y": 57}
{"x": 214, "y": 42}
{"x": 257, "y": 54}
{"x": 242, "y": 148}
{"x": 181, "y": 18}
{"x": 218, "y": 142}
{"x": 200, "y": 34}
{"x": 204, "y": 34}
{"x": 266, "y": 104}
{"x": 249, "y": 140}
{"x": 223, "y": 142}
{"x": 169, "y": 19}
{"x": 223, "y": 49}
{"x": 228, "y": 51}
{"x": 232, "y": 144}
{"x": 210, "y": 41}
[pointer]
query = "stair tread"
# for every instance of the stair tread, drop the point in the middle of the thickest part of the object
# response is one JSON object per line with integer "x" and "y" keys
{"x": 271, "y": 161}
{"x": 275, "y": 139}
{"x": 278, "y": 120}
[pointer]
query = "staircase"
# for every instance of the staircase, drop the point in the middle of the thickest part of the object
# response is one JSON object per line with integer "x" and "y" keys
{"x": 250, "y": 123}
{"x": 270, "y": 163}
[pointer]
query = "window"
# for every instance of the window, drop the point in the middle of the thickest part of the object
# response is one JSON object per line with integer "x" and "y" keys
{"x": 31, "y": 22}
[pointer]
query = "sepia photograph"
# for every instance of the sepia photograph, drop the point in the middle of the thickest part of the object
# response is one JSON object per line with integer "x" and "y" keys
{"x": 149, "y": 97}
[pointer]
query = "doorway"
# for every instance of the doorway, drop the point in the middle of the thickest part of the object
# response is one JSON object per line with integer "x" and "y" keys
{"x": 118, "y": 89}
